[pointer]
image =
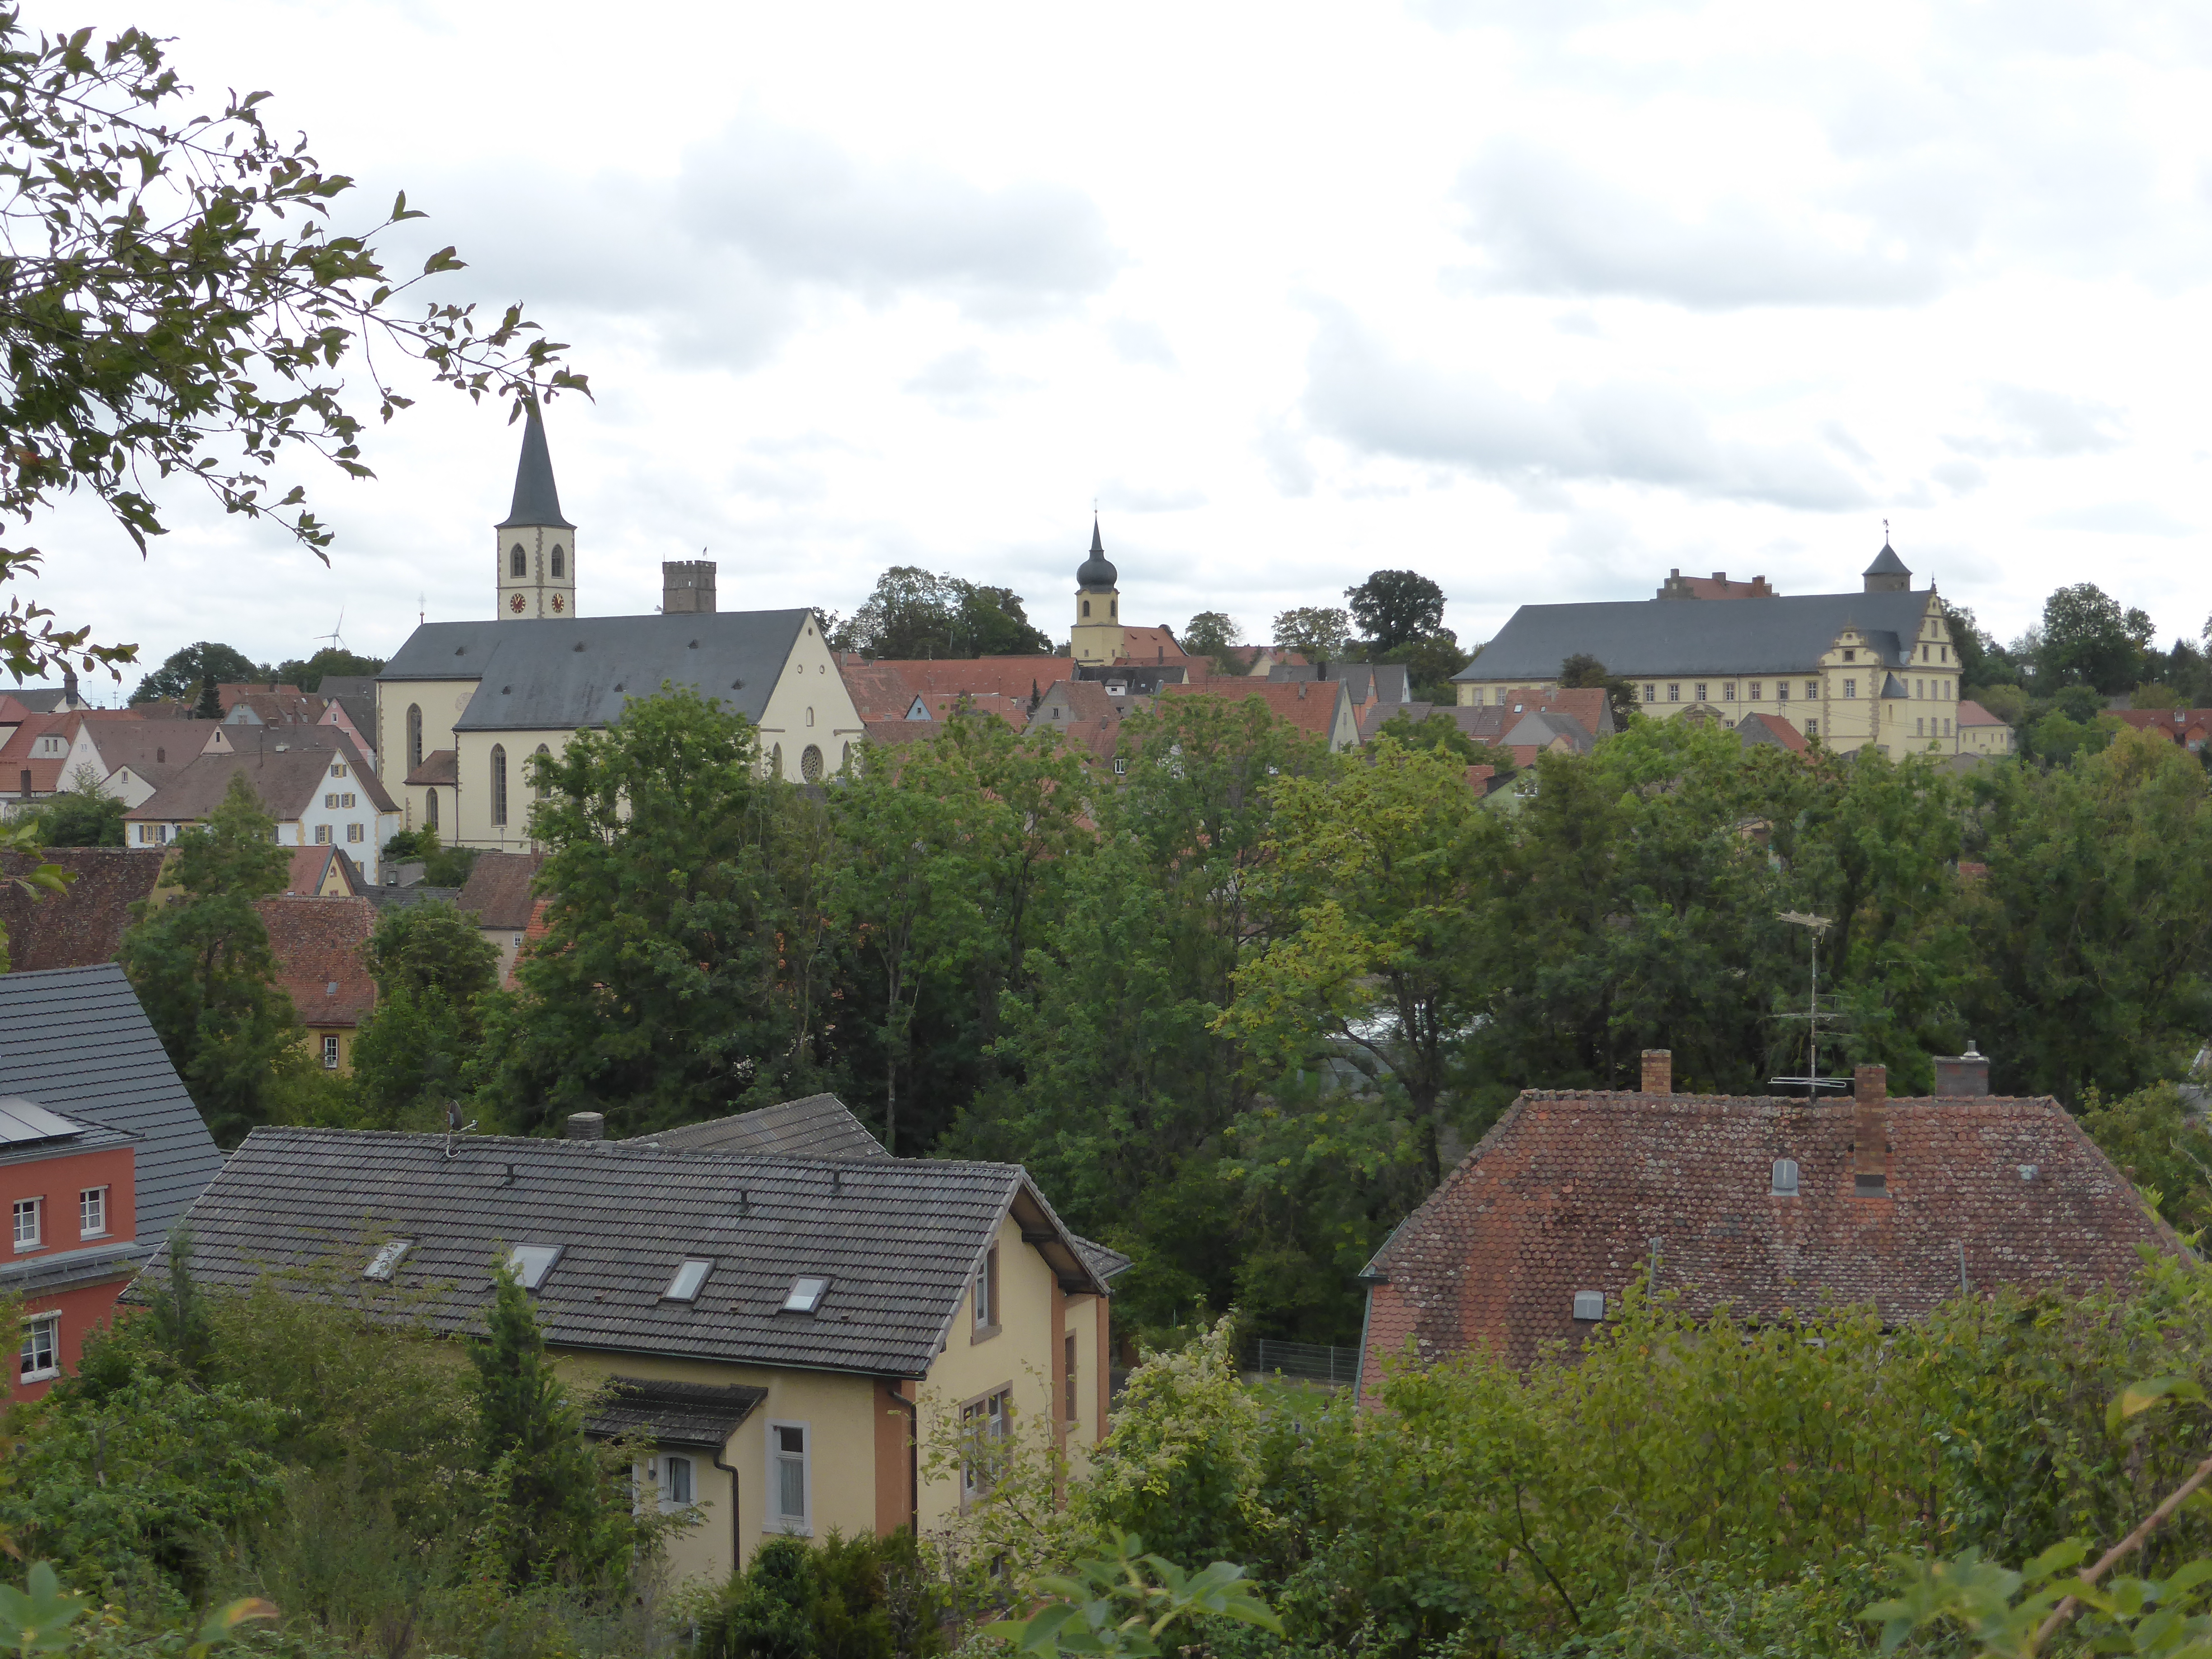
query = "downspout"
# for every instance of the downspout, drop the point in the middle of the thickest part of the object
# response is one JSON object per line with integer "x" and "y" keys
{"x": 912, "y": 1461}
{"x": 1359, "y": 1377}
{"x": 737, "y": 1517}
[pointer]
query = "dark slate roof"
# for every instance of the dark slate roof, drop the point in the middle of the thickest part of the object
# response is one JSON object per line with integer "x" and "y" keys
{"x": 1104, "y": 1259}
{"x": 817, "y": 1126}
{"x": 1568, "y": 1191}
{"x": 76, "y": 1041}
{"x": 1887, "y": 564}
{"x": 1098, "y": 570}
{"x": 898, "y": 1238}
{"x": 402, "y": 898}
{"x": 536, "y": 500}
{"x": 702, "y": 1414}
{"x": 563, "y": 676}
{"x": 1644, "y": 637}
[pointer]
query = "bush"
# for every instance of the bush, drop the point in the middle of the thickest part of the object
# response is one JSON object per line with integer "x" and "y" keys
{"x": 857, "y": 1598}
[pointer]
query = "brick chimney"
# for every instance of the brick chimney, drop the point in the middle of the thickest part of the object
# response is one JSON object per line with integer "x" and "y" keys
{"x": 687, "y": 586}
{"x": 587, "y": 1126}
{"x": 1870, "y": 1131}
{"x": 1658, "y": 1071}
{"x": 1961, "y": 1077}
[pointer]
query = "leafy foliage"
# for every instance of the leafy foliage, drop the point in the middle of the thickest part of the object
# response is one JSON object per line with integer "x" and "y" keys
{"x": 1319, "y": 633}
{"x": 184, "y": 671}
{"x": 912, "y": 613}
{"x": 1396, "y": 607}
{"x": 1127, "y": 1601}
{"x": 82, "y": 817}
{"x": 846, "y": 1598}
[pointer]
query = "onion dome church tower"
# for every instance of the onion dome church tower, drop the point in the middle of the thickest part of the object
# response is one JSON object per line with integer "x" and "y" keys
{"x": 1097, "y": 635}
{"x": 537, "y": 547}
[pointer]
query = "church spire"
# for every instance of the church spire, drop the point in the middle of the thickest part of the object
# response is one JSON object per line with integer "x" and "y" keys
{"x": 536, "y": 501}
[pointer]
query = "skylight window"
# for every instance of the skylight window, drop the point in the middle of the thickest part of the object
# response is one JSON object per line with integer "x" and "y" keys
{"x": 531, "y": 1263}
{"x": 806, "y": 1294}
{"x": 385, "y": 1261}
{"x": 685, "y": 1287}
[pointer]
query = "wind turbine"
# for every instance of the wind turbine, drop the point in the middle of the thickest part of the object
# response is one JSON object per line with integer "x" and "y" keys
{"x": 335, "y": 637}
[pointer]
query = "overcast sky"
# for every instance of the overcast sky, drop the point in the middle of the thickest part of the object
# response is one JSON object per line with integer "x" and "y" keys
{"x": 1540, "y": 299}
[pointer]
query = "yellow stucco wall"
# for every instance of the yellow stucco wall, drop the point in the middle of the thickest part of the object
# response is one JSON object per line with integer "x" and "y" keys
{"x": 809, "y": 686}
{"x": 838, "y": 1412}
{"x": 1019, "y": 1356}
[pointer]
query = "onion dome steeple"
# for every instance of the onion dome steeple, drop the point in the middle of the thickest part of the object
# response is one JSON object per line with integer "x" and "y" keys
{"x": 1097, "y": 571}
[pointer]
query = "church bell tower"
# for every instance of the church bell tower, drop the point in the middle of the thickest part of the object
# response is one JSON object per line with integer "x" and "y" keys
{"x": 537, "y": 547}
{"x": 1097, "y": 635}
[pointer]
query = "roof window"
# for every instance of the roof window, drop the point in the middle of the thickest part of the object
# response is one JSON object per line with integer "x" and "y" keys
{"x": 1590, "y": 1304}
{"x": 1785, "y": 1177}
{"x": 385, "y": 1261}
{"x": 685, "y": 1287}
{"x": 531, "y": 1263}
{"x": 806, "y": 1294}
{"x": 1870, "y": 1185}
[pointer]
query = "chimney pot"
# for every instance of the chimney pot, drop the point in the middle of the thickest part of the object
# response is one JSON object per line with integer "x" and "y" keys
{"x": 1658, "y": 1071}
{"x": 587, "y": 1126}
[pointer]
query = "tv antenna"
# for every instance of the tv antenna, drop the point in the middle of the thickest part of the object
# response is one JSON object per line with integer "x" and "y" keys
{"x": 1814, "y": 1015}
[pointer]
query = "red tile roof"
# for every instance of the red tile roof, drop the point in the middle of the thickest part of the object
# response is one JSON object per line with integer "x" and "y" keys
{"x": 1972, "y": 714}
{"x": 1310, "y": 705}
{"x": 85, "y": 925}
{"x": 885, "y": 691}
{"x": 311, "y": 867}
{"x": 1574, "y": 1191}
{"x": 322, "y": 959}
{"x": 533, "y": 937}
{"x": 1154, "y": 645}
{"x": 497, "y": 891}
{"x": 2187, "y": 726}
{"x": 1778, "y": 730}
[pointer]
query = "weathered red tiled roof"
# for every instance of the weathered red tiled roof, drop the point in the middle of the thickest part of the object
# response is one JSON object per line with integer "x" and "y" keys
{"x": 1310, "y": 705}
{"x": 311, "y": 868}
{"x": 1972, "y": 714}
{"x": 1154, "y": 645}
{"x": 285, "y": 780}
{"x": 1781, "y": 730}
{"x": 231, "y": 693}
{"x": 85, "y": 925}
{"x": 2175, "y": 723}
{"x": 497, "y": 891}
{"x": 1576, "y": 1191}
{"x": 322, "y": 959}
{"x": 1084, "y": 715}
{"x": 885, "y": 690}
{"x": 533, "y": 937}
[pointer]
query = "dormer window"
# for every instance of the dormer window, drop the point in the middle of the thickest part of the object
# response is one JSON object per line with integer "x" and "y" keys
{"x": 530, "y": 1263}
{"x": 806, "y": 1294}
{"x": 685, "y": 1287}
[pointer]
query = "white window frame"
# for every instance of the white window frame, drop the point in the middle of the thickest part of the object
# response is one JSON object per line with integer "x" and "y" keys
{"x": 660, "y": 1474}
{"x": 91, "y": 1207}
{"x": 51, "y": 1324}
{"x": 330, "y": 1051}
{"x": 772, "y": 1520}
{"x": 992, "y": 1414}
{"x": 35, "y": 1208}
{"x": 983, "y": 1289}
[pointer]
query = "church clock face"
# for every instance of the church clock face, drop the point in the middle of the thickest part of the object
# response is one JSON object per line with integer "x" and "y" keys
{"x": 560, "y": 602}
{"x": 515, "y": 605}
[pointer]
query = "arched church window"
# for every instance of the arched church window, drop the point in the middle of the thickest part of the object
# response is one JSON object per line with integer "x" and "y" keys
{"x": 430, "y": 808}
{"x": 499, "y": 784}
{"x": 810, "y": 764}
{"x": 776, "y": 761}
{"x": 544, "y": 789}
{"x": 1086, "y": 607}
{"x": 560, "y": 562}
{"x": 415, "y": 738}
{"x": 845, "y": 760}
{"x": 518, "y": 561}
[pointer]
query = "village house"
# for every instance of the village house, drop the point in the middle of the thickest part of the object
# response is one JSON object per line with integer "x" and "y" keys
{"x": 1762, "y": 1204}
{"x": 2187, "y": 726}
{"x": 320, "y": 944}
{"x": 1322, "y": 708}
{"x": 497, "y": 897}
{"x": 1875, "y": 667}
{"x": 310, "y": 779}
{"x": 83, "y": 925}
{"x": 1981, "y": 732}
{"x": 781, "y": 1327}
{"x": 464, "y": 707}
{"x": 101, "y": 1151}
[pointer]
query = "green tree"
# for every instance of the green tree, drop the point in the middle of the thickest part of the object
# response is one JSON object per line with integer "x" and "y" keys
{"x": 1210, "y": 633}
{"x": 175, "y": 308}
{"x": 913, "y": 613}
{"x": 1382, "y": 883}
{"x": 655, "y": 989}
{"x": 1439, "y": 732}
{"x": 1430, "y": 662}
{"x": 331, "y": 660}
{"x": 1394, "y": 608}
{"x": 560, "y": 1514}
{"x": 182, "y": 677}
{"x": 2087, "y": 640}
{"x": 1981, "y": 661}
{"x": 83, "y": 815}
{"x": 1318, "y": 634}
{"x": 203, "y": 970}
{"x": 431, "y": 963}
